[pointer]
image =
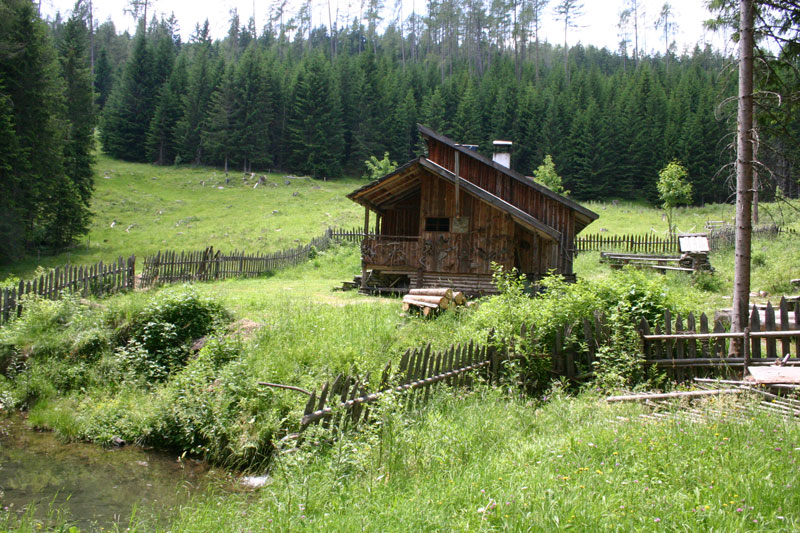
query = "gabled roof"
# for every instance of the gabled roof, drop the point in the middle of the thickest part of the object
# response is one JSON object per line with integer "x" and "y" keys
{"x": 520, "y": 216}
{"x": 581, "y": 211}
{"x": 382, "y": 193}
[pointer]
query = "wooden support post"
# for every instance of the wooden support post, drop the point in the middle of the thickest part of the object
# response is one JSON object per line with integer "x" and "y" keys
{"x": 746, "y": 350}
{"x": 458, "y": 188}
{"x": 363, "y": 263}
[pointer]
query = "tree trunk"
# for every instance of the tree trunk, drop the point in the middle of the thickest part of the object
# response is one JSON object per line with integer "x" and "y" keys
{"x": 744, "y": 173}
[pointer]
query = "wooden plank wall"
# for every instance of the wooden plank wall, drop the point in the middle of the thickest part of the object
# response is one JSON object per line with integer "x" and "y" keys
{"x": 546, "y": 209}
{"x": 94, "y": 280}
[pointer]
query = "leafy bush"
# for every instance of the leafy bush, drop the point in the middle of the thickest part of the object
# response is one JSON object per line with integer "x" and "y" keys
{"x": 160, "y": 334}
{"x": 625, "y": 298}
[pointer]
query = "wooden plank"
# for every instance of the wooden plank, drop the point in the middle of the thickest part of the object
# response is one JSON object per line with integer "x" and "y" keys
{"x": 691, "y": 345}
{"x": 769, "y": 325}
{"x": 755, "y": 325}
{"x": 775, "y": 374}
{"x": 786, "y": 342}
{"x": 705, "y": 348}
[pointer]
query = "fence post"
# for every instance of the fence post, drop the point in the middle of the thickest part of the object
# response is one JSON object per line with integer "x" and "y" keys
{"x": 746, "y": 350}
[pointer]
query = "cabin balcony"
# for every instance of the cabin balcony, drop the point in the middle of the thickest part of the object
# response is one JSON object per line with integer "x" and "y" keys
{"x": 398, "y": 252}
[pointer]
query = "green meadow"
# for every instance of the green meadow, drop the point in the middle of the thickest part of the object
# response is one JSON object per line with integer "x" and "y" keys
{"x": 553, "y": 456}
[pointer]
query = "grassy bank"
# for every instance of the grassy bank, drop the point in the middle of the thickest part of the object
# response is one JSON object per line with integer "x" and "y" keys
{"x": 488, "y": 461}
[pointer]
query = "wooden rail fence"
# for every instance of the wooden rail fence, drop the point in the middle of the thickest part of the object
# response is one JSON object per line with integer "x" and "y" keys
{"x": 691, "y": 346}
{"x": 207, "y": 265}
{"x": 96, "y": 280}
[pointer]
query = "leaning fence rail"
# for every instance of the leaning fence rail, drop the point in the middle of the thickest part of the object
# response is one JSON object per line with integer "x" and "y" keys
{"x": 96, "y": 280}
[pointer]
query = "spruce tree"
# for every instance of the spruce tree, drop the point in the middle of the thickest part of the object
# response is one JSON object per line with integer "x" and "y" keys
{"x": 252, "y": 109}
{"x": 161, "y": 136}
{"x": 103, "y": 79}
{"x": 315, "y": 127}
{"x": 203, "y": 76}
{"x": 218, "y": 129}
{"x": 131, "y": 106}
{"x": 79, "y": 129}
{"x": 43, "y": 206}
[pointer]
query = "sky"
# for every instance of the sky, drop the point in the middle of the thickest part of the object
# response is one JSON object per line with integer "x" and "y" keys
{"x": 597, "y": 26}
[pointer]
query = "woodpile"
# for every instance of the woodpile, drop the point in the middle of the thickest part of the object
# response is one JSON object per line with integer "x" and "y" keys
{"x": 428, "y": 301}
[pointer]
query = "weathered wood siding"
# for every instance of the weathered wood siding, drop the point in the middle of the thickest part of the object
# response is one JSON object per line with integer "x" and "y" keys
{"x": 488, "y": 235}
{"x": 403, "y": 219}
{"x": 546, "y": 209}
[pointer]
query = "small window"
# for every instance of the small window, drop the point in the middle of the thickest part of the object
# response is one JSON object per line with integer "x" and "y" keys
{"x": 437, "y": 224}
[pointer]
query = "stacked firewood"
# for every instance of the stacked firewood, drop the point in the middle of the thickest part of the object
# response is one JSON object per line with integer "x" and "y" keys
{"x": 428, "y": 301}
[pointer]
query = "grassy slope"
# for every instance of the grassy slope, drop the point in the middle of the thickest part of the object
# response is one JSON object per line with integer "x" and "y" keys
{"x": 168, "y": 208}
{"x": 489, "y": 462}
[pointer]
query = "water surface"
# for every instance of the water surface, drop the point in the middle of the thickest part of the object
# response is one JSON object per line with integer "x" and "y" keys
{"x": 97, "y": 487}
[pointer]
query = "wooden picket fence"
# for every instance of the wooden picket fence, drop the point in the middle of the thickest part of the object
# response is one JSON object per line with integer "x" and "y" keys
{"x": 690, "y": 346}
{"x": 349, "y": 235}
{"x": 644, "y": 243}
{"x": 346, "y": 399}
{"x": 208, "y": 265}
{"x": 647, "y": 243}
{"x": 682, "y": 347}
{"x": 96, "y": 280}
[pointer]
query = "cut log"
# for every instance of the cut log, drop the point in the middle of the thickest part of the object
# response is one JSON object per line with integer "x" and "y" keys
{"x": 440, "y": 301}
{"x": 459, "y": 298}
{"x": 424, "y": 307}
{"x": 447, "y": 293}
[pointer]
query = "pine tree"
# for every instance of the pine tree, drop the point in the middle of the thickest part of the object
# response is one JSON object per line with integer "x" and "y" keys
{"x": 79, "y": 141}
{"x": 42, "y": 204}
{"x": 131, "y": 106}
{"x": 252, "y": 110}
{"x": 316, "y": 142}
{"x": 161, "y": 136}
{"x": 103, "y": 79}
{"x": 218, "y": 129}
{"x": 468, "y": 118}
{"x": 204, "y": 73}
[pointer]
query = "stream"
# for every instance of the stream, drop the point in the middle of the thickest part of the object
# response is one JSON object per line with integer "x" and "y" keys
{"x": 97, "y": 487}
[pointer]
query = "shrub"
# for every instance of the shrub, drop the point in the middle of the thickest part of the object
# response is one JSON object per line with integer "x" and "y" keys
{"x": 160, "y": 334}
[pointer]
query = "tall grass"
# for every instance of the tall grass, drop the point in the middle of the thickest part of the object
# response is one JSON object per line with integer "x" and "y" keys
{"x": 489, "y": 461}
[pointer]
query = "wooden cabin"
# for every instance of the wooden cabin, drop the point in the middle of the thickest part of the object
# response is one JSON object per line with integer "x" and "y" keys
{"x": 444, "y": 218}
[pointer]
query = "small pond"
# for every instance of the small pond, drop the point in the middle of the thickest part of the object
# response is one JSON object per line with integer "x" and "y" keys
{"x": 97, "y": 487}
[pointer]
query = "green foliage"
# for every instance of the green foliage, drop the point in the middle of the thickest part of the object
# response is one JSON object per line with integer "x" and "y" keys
{"x": 159, "y": 336}
{"x": 45, "y": 144}
{"x": 673, "y": 190}
{"x": 546, "y": 175}
{"x": 378, "y": 168}
{"x": 131, "y": 105}
{"x": 490, "y": 461}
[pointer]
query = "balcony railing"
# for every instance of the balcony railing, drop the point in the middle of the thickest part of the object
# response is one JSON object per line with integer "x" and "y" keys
{"x": 388, "y": 250}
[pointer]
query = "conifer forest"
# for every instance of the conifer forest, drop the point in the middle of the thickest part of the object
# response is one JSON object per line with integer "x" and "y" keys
{"x": 319, "y": 100}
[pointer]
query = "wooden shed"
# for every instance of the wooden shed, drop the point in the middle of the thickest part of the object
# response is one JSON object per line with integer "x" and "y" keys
{"x": 445, "y": 218}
